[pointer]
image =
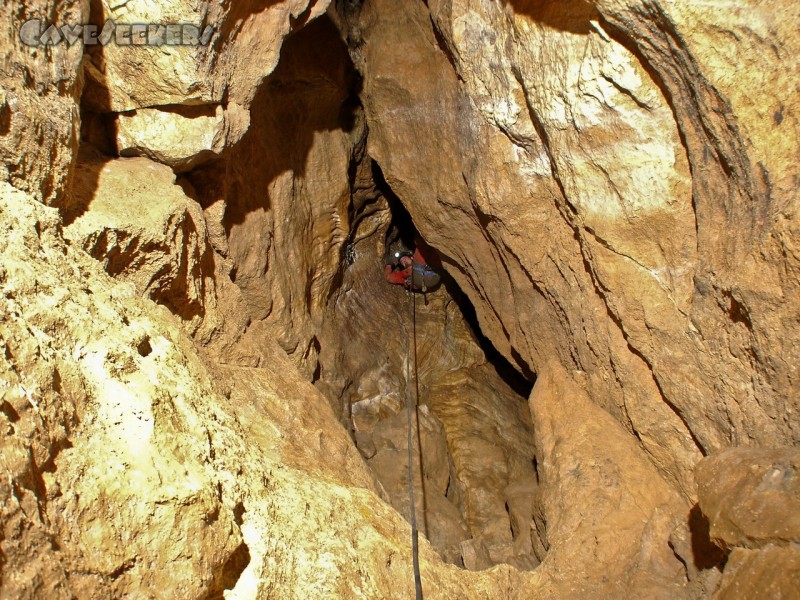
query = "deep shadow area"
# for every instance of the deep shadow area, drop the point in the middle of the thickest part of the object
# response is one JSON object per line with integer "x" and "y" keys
{"x": 229, "y": 574}
{"x": 98, "y": 134}
{"x": 706, "y": 554}
{"x": 402, "y": 229}
{"x": 572, "y": 16}
{"x": 402, "y": 232}
{"x": 515, "y": 379}
{"x": 314, "y": 88}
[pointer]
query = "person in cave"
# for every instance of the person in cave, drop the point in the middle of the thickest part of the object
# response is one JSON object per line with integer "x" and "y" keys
{"x": 416, "y": 271}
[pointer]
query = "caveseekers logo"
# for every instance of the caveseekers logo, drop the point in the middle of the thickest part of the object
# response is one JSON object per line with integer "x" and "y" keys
{"x": 40, "y": 33}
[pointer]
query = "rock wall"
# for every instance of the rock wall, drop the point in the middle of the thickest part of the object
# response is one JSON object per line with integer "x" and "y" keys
{"x": 613, "y": 192}
{"x": 475, "y": 483}
{"x": 136, "y": 467}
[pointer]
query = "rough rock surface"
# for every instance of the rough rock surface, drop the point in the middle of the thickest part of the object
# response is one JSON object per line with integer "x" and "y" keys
{"x": 144, "y": 229}
{"x": 135, "y": 469}
{"x": 536, "y": 148}
{"x": 752, "y": 496}
{"x": 477, "y": 437}
{"x": 39, "y": 93}
{"x": 752, "y": 501}
{"x": 182, "y": 139}
{"x": 613, "y": 193}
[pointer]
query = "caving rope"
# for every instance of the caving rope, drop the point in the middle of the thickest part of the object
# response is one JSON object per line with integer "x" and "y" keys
{"x": 410, "y": 413}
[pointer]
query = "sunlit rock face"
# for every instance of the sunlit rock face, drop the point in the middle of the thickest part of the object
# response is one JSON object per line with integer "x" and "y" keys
{"x": 212, "y": 402}
{"x": 751, "y": 499}
{"x": 39, "y": 98}
{"x": 603, "y": 202}
{"x": 137, "y": 468}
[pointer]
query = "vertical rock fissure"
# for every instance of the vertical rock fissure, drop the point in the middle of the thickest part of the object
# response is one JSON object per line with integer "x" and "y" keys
{"x": 476, "y": 505}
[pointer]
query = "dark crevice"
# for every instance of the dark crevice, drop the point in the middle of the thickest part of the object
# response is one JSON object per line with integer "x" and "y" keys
{"x": 402, "y": 232}
{"x": 8, "y": 410}
{"x": 520, "y": 380}
{"x": 144, "y": 348}
{"x": 230, "y": 573}
{"x": 737, "y": 311}
{"x": 122, "y": 569}
{"x": 706, "y": 554}
{"x": 448, "y": 53}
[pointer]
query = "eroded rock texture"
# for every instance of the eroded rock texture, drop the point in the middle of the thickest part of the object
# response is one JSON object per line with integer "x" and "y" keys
{"x": 204, "y": 374}
{"x": 752, "y": 502}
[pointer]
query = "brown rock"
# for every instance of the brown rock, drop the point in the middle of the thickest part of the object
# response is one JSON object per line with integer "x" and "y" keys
{"x": 180, "y": 139}
{"x": 611, "y": 183}
{"x": 751, "y": 496}
{"x": 772, "y": 572}
{"x": 129, "y": 214}
{"x": 125, "y": 457}
{"x": 39, "y": 92}
{"x": 605, "y": 504}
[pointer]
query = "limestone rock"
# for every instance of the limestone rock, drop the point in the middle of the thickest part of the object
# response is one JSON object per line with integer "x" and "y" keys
{"x": 606, "y": 506}
{"x": 536, "y": 128}
{"x": 751, "y": 496}
{"x": 39, "y": 91}
{"x": 129, "y": 214}
{"x": 100, "y": 446}
{"x": 277, "y": 203}
{"x": 612, "y": 184}
{"x": 130, "y": 473}
{"x": 752, "y": 501}
{"x": 244, "y": 47}
{"x": 475, "y": 430}
{"x": 773, "y": 572}
{"x": 180, "y": 139}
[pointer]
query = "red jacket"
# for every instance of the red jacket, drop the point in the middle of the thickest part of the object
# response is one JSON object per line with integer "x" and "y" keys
{"x": 400, "y": 276}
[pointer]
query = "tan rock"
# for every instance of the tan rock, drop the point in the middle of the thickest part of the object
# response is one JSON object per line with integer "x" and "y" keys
{"x": 535, "y": 131}
{"x": 181, "y": 140}
{"x": 772, "y": 572}
{"x": 612, "y": 184}
{"x": 39, "y": 92}
{"x": 751, "y": 496}
{"x": 605, "y": 504}
{"x": 129, "y": 214}
{"x": 142, "y": 479}
{"x": 751, "y": 499}
{"x": 278, "y": 202}
{"x": 244, "y": 48}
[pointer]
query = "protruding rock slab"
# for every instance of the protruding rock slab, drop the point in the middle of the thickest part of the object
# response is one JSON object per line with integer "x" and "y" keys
{"x": 606, "y": 506}
{"x": 751, "y": 497}
{"x": 39, "y": 93}
{"x": 129, "y": 214}
{"x": 180, "y": 138}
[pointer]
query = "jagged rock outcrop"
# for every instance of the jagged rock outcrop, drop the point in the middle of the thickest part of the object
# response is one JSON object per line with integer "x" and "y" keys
{"x": 134, "y": 468}
{"x": 476, "y": 487}
{"x": 602, "y": 202}
{"x": 39, "y": 96}
{"x": 752, "y": 500}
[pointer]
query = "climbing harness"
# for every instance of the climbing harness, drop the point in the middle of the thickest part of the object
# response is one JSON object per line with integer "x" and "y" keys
{"x": 423, "y": 278}
{"x": 411, "y": 413}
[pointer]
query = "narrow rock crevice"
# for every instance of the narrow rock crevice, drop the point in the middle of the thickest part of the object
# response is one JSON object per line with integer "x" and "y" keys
{"x": 465, "y": 388}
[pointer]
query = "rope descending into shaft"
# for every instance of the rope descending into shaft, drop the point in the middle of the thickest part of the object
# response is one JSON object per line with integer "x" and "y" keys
{"x": 410, "y": 410}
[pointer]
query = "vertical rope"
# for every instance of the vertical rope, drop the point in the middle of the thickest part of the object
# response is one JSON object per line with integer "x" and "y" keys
{"x": 410, "y": 415}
